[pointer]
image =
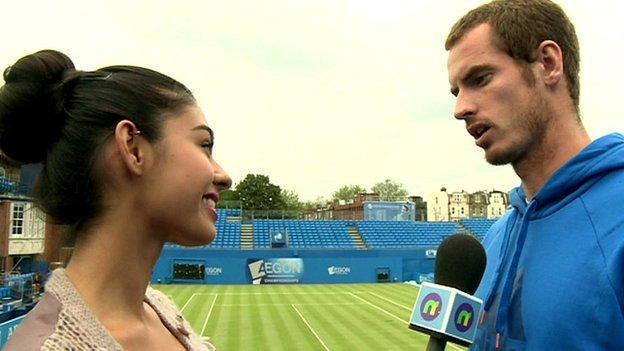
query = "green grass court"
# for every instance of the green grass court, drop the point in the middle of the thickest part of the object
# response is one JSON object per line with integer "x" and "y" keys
{"x": 302, "y": 317}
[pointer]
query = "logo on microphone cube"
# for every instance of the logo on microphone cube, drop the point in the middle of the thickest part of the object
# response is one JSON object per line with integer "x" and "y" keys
{"x": 430, "y": 307}
{"x": 464, "y": 313}
{"x": 464, "y": 317}
{"x": 446, "y": 311}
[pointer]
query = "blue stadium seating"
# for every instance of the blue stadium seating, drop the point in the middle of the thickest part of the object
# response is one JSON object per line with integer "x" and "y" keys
{"x": 399, "y": 234}
{"x": 228, "y": 232}
{"x": 328, "y": 234}
{"x": 230, "y": 212}
{"x": 479, "y": 227}
{"x": 332, "y": 234}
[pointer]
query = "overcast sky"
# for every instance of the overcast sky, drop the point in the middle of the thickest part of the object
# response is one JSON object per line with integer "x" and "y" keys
{"x": 317, "y": 94}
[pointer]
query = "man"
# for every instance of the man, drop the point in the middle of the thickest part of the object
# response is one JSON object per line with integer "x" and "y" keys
{"x": 554, "y": 277}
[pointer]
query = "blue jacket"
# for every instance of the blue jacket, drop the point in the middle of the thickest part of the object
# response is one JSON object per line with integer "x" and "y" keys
{"x": 554, "y": 279}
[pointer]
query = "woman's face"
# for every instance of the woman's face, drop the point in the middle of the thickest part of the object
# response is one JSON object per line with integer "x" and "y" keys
{"x": 183, "y": 183}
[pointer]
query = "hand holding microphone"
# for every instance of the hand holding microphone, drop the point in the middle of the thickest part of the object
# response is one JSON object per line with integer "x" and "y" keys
{"x": 446, "y": 310}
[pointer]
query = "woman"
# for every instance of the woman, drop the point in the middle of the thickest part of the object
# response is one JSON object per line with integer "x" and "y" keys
{"x": 128, "y": 165}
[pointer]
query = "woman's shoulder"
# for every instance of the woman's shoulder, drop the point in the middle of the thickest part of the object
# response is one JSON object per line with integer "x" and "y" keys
{"x": 172, "y": 317}
{"x": 60, "y": 321}
{"x": 160, "y": 301}
{"x": 40, "y": 323}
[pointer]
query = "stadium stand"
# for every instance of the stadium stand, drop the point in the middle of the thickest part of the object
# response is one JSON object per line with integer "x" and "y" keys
{"x": 10, "y": 187}
{"x": 333, "y": 234}
{"x": 6, "y": 185}
{"x": 228, "y": 229}
{"x": 399, "y": 234}
{"x": 332, "y": 251}
{"x": 330, "y": 234}
{"x": 16, "y": 295}
{"x": 478, "y": 227}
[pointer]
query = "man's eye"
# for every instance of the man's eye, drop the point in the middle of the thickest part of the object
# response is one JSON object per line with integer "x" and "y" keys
{"x": 482, "y": 79}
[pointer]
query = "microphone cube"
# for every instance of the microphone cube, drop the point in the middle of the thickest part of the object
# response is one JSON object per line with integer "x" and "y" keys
{"x": 446, "y": 313}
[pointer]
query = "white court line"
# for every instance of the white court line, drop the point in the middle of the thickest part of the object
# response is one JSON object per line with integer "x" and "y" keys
{"x": 284, "y": 293}
{"x": 312, "y": 330}
{"x": 392, "y": 302}
{"x": 209, "y": 313}
{"x": 187, "y": 302}
{"x": 381, "y": 309}
{"x": 406, "y": 293}
{"x": 404, "y": 321}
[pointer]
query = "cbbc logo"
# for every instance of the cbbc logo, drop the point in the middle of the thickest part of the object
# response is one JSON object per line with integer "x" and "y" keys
{"x": 430, "y": 307}
{"x": 463, "y": 317}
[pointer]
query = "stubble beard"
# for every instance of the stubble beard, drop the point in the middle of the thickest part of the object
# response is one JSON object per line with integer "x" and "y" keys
{"x": 532, "y": 122}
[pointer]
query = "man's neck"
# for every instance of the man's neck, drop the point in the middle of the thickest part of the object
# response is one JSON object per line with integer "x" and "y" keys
{"x": 560, "y": 143}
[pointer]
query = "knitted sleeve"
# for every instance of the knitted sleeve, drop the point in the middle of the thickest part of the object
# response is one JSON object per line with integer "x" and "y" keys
{"x": 177, "y": 324}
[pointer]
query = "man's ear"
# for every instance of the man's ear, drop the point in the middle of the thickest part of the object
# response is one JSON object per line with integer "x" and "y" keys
{"x": 550, "y": 59}
{"x": 131, "y": 146}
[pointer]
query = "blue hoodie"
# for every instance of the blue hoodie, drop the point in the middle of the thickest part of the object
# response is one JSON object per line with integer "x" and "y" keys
{"x": 554, "y": 279}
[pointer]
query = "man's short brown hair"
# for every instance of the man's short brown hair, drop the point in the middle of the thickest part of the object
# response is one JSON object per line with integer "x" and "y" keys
{"x": 520, "y": 26}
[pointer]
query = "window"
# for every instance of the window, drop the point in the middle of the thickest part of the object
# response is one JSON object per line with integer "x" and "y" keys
{"x": 17, "y": 218}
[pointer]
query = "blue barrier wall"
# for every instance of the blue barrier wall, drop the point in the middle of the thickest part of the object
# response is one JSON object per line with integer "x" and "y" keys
{"x": 320, "y": 266}
{"x": 7, "y": 328}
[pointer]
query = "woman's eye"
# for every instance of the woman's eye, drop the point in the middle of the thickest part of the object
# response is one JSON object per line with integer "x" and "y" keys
{"x": 207, "y": 147}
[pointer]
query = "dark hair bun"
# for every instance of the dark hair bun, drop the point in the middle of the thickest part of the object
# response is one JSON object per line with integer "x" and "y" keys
{"x": 31, "y": 105}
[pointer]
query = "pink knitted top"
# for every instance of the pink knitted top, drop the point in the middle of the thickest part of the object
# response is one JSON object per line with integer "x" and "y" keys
{"x": 62, "y": 321}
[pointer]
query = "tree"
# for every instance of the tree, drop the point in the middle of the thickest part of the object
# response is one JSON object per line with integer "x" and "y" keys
{"x": 228, "y": 195}
{"x": 291, "y": 200}
{"x": 257, "y": 193}
{"x": 228, "y": 198}
{"x": 347, "y": 193}
{"x": 319, "y": 202}
{"x": 390, "y": 190}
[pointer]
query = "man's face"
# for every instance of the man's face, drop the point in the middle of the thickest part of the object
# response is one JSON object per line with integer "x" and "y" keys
{"x": 497, "y": 98}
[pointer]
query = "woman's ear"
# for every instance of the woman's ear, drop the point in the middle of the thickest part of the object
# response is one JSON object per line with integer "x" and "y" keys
{"x": 131, "y": 146}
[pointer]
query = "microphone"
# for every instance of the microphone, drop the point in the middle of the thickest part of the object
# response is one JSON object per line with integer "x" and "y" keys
{"x": 446, "y": 310}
